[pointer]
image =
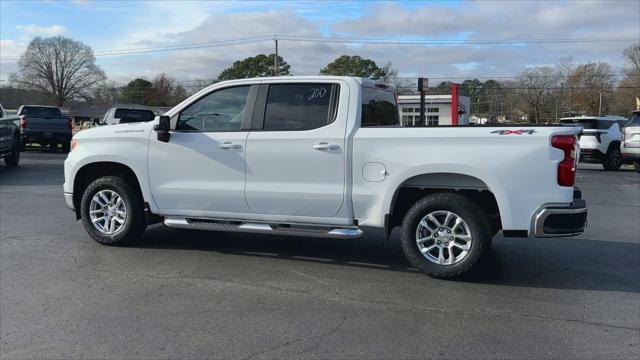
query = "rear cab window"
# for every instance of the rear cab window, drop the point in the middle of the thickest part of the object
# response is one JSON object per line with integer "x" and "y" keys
{"x": 40, "y": 111}
{"x": 379, "y": 108}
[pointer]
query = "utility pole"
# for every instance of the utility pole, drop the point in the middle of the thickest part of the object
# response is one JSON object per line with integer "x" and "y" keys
{"x": 561, "y": 104}
{"x": 600, "y": 106}
{"x": 423, "y": 84}
{"x": 275, "y": 59}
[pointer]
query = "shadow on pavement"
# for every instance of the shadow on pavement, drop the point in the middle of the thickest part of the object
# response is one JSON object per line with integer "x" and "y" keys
{"x": 580, "y": 264}
{"x": 32, "y": 174}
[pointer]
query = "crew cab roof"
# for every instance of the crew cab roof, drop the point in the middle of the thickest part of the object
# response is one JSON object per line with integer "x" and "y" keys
{"x": 362, "y": 81}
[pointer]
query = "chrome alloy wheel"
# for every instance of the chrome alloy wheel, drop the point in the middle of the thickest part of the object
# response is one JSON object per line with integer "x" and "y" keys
{"x": 107, "y": 212}
{"x": 443, "y": 237}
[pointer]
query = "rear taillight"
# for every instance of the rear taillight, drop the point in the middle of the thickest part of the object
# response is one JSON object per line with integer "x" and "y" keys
{"x": 566, "y": 167}
{"x": 70, "y": 124}
{"x": 23, "y": 122}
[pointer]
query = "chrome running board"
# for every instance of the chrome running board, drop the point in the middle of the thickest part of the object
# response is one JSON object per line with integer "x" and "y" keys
{"x": 263, "y": 228}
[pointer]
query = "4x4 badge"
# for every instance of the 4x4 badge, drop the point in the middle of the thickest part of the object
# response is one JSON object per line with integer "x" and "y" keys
{"x": 514, "y": 132}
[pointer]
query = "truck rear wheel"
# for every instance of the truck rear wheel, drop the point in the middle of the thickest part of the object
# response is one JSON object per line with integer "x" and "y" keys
{"x": 112, "y": 211}
{"x": 612, "y": 160}
{"x": 445, "y": 234}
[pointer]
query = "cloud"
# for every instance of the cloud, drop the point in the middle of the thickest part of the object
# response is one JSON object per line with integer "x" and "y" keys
{"x": 38, "y": 30}
{"x": 167, "y": 23}
{"x": 11, "y": 48}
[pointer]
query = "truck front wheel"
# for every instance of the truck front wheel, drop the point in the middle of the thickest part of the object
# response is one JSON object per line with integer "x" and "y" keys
{"x": 112, "y": 211}
{"x": 445, "y": 234}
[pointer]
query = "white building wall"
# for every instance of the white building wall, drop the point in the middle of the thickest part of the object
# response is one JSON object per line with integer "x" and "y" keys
{"x": 437, "y": 109}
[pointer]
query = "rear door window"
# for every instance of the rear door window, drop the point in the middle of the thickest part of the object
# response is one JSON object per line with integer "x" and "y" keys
{"x": 296, "y": 107}
{"x": 379, "y": 108}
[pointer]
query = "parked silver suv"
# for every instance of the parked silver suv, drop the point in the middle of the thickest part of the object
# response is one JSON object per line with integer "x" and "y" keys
{"x": 630, "y": 146}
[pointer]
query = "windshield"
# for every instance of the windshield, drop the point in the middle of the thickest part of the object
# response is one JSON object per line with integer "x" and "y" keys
{"x": 134, "y": 115}
{"x": 634, "y": 120}
{"x": 41, "y": 111}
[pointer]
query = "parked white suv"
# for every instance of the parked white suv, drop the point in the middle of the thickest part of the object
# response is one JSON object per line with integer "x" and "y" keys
{"x": 600, "y": 139}
{"x": 630, "y": 147}
{"x": 325, "y": 157}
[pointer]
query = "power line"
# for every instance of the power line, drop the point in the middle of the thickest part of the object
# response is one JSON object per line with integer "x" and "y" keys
{"x": 447, "y": 41}
{"x": 347, "y": 40}
{"x": 119, "y": 52}
{"x": 441, "y": 77}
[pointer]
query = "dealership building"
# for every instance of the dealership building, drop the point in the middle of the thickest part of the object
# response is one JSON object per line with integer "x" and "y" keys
{"x": 437, "y": 109}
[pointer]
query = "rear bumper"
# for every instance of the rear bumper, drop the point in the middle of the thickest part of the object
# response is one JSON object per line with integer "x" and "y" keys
{"x": 630, "y": 153}
{"x": 39, "y": 136}
{"x": 557, "y": 221}
{"x": 591, "y": 155}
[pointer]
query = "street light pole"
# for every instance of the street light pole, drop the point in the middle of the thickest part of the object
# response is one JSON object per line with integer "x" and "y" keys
{"x": 275, "y": 59}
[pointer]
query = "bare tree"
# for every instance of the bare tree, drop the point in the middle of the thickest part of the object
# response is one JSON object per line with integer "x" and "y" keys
{"x": 632, "y": 57}
{"x": 199, "y": 84}
{"x": 107, "y": 92}
{"x": 629, "y": 87}
{"x": 390, "y": 76}
{"x": 165, "y": 91}
{"x": 60, "y": 67}
{"x": 592, "y": 85}
{"x": 536, "y": 85}
{"x": 566, "y": 69}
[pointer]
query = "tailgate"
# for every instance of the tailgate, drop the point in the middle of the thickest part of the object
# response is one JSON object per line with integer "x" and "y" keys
{"x": 48, "y": 125}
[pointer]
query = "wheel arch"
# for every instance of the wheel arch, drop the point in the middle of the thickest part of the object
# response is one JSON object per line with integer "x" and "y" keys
{"x": 94, "y": 170}
{"x": 420, "y": 185}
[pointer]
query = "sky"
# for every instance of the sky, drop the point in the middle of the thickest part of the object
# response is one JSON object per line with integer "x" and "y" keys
{"x": 474, "y": 38}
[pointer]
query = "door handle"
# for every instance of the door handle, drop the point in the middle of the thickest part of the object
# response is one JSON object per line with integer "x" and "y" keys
{"x": 325, "y": 146}
{"x": 229, "y": 145}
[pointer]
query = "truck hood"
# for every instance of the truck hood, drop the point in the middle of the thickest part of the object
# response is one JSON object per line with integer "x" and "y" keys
{"x": 133, "y": 130}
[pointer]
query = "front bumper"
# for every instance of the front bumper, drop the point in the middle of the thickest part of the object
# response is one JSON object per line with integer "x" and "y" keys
{"x": 68, "y": 198}
{"x": 557, "y": 221}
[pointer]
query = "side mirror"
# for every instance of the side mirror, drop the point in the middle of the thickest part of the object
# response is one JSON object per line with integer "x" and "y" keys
{"x": 162, "y": 128}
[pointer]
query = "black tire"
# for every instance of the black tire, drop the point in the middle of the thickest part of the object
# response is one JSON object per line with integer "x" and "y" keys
{"x": 612, "y": 160}
{"x": 636, "y": 165}
{"x": 135, "y": 220}
{"x": 13, "y": 159}
{"x": 466, "y": 209}
{"x": 66, "y": 146}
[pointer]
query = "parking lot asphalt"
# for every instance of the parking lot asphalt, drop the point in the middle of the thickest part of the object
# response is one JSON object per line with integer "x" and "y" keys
{"x": 186, "y": 294}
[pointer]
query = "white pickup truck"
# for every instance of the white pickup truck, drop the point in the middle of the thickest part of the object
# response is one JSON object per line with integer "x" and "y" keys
{"x": 325, "y": 157}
